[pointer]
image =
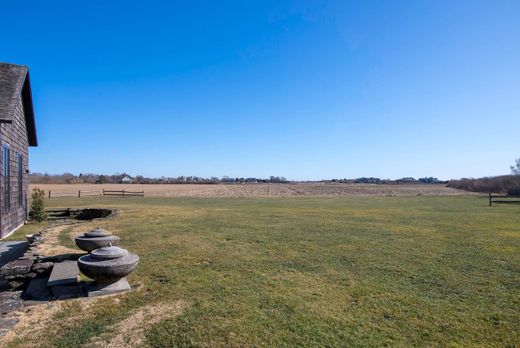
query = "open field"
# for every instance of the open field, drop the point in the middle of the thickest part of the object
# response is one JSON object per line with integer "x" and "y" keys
{"x": 259, "y": 190}
{"x": 344, "y": 271}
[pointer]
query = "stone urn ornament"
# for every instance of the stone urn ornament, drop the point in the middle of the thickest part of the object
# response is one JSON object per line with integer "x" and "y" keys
{"x": 108, "y": 266}
{"x": 96, "y": 239}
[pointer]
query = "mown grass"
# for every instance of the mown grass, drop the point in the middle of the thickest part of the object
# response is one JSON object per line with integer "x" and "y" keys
{"x": 65, "y": 239}
{"x": 350, "y": 271}
{"x": 28, "y": 228}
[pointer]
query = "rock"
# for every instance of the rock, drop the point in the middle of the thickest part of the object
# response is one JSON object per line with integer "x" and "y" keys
{"x": 21, "y": 277}
{"x": 7, "y": 306}
{"x": 19, "y": 266}
{"x": 10, "y": 295}
{"x": 31, "y": 275}
{"x": 6, "y": 324}
{"x": 34, "y": 251}
{"x": 31, "y": 238}
{"x": 15, "y": 276}
{"x": 27, "y": 256}
{"x": 15, "y": 284}
{"x": 40, "y": 258}
{"x": 42, "y": 266}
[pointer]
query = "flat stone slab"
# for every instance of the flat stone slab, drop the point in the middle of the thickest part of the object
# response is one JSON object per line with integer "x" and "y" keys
{"x": 64, "y": 273}
{"x": 8, "y": 306}
{"x": 7, "y": 324}
{"x": 11, "y": 250}
{"x": 95, "y": 289}
{"x": 28, "y": 303}
{"x": 10, "y": 301}
{"x": 10, "y": 295}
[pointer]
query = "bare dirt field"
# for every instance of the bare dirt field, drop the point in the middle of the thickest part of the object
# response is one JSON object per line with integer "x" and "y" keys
{"x": 253, "y": 190}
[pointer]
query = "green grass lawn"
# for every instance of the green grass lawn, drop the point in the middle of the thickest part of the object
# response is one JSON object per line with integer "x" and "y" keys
{"x": 350, "y": 271}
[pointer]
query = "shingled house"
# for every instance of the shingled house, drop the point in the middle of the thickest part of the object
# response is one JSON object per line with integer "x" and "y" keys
{"x": 17, "y": 133}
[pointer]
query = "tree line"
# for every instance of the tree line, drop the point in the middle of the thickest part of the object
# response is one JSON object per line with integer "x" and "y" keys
{"x": 378, "y": 181}
{"x": 89, "y": 178}
{"x": 509, "y": 184}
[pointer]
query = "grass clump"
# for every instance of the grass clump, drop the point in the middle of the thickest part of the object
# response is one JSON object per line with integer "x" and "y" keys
{"x": 65, "y": 239}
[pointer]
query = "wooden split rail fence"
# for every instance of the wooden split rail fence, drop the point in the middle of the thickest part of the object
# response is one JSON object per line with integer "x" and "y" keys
{"x": 123, "y": 193}
{"x": 503, "y": 199}
{"x": 99, "y": 193}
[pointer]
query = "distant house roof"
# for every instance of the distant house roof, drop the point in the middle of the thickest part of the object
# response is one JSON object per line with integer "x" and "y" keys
{"x": 126, "y": 178}
{"x": 15, "y": 81}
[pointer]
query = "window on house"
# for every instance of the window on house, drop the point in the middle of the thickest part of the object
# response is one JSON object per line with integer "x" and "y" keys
{"x": 6, "y": 168}
{"x": 20, "y": 178}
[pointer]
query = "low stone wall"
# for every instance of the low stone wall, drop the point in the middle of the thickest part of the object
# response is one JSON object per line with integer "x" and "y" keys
{"x": 79, "y": 214}
{"x": 28, "y": 266}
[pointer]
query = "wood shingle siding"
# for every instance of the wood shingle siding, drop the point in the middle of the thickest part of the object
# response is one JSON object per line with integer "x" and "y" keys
{"x": 17, "y": 133}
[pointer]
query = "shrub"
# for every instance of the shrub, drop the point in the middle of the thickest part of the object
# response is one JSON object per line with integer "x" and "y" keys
{"x": 514, "y": 191}
{"x": 496, "y": 184}
{"x": 37, "y": 212}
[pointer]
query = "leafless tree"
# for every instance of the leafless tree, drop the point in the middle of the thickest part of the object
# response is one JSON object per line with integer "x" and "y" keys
{"x": 515, "y": 169}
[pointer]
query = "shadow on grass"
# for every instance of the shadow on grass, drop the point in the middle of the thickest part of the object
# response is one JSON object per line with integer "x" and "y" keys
{"x": 506, "y": 202}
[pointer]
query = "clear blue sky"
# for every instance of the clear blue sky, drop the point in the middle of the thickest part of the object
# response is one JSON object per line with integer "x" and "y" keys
{"x": 306, "y": 90}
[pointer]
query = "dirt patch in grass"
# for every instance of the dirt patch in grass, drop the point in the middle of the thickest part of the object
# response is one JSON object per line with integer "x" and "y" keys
{"x": 130, "y": 331}
{"x": 32, "y": 321}
{"x": 53, "y": 244}
{"x": 35, "y": 320}
{"x": 59, "y": 240}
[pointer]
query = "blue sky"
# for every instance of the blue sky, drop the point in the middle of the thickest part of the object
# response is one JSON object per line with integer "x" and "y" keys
{"x": 302, "y": 89}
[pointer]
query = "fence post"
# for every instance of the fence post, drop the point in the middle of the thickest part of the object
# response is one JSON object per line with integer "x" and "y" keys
{"x": 123, "y": 192}
{"x": 49, "y": 193}
{"x": 79, "y": 193}
{"x": 103, "y": 192}
{"x": 490, "y": 200}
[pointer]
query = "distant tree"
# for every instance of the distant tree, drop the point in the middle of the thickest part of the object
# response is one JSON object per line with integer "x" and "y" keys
{"x": 37, "y": 212}
{"x": 515, "y": 169}
{"x": 275, "y": 179}
{"x": 67, "y": 177}
{"x": 101, "y": 179}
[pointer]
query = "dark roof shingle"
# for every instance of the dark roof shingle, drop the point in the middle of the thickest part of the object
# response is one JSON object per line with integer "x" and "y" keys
{"x": 15, "y": 82}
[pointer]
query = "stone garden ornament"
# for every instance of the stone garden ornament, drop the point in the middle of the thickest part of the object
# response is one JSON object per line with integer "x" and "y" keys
{"x": 108, "y": 266}
{"x": 96, "y": 239}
